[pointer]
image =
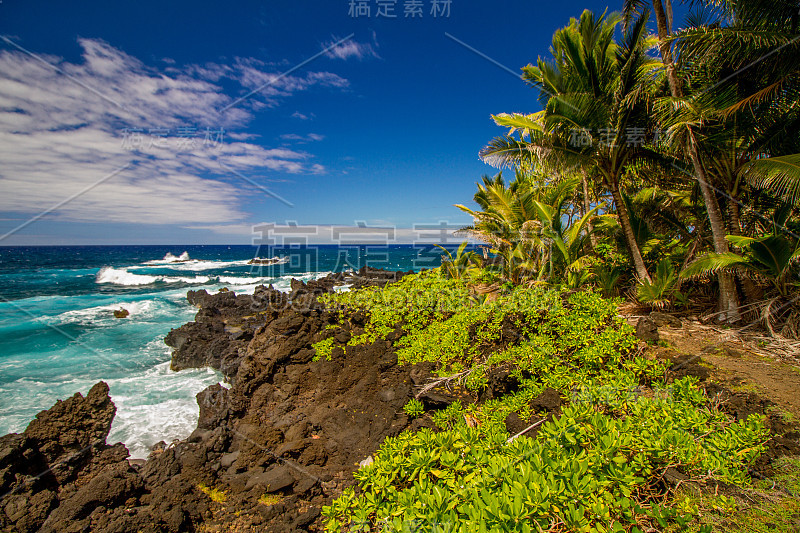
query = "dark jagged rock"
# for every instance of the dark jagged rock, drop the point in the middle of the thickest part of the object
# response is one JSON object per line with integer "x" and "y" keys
{"x": 500, "y": 382}
{"x": 67, "y": 431}
{"x": 548, "y": 403}
{"x": 515, "y": 424}
{"x": 375, "y": 277}
{"x": 224, "y": 324}
{"x": 213, "y": 406}
{"x": 109, "y": 488}
{"x": 48, "y": 472}
{"x": 549, "y": 400}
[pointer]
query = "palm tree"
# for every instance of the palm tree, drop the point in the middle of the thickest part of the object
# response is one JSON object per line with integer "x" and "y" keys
{"x": 504, "y": 209}
{"x": 529, "y": 226}
{"x": 499, "y": 223}
{"x": 571, "y": 263}
{"x": 728, "y": 302}
{"x": 771, "y": 258}
{"x": 595, "y": 87}
{"x": 744, "y": 68}
{"x": 461, "y": 264}
{"x": 740, "y": 112}
{"x": 743, "y": 34}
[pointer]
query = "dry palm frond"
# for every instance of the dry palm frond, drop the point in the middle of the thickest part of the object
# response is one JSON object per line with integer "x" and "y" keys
{"x": 483, "y": 236}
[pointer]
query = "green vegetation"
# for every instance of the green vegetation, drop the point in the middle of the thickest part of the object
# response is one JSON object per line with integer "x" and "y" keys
{"x": 216, "y": 495}
{"x": 770, "y": 505}
{"x": 414, "y": 408}
{"x": 270, "y": 499}
{"x": 675, "y": 153}
{"x": 657, "y": 163}
{"x": 324, "y": 348}
{"x": 587, "y": 471}
{"x": 599, "y": 466}
{"x": 564, "y": 341}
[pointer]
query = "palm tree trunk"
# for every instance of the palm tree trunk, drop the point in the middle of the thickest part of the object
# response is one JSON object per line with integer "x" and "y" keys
{"x": 664, "y": 31}
{"x": 627, "y": 230}
{"x": 733, "y": 215}
{"x": 586, "y": 208}
{"x": 728, "y": 299}
{"x": 751, "y": 291}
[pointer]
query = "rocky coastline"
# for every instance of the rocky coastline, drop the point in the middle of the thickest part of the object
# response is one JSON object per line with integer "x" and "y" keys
{"x": 273, "y": 445}
{"x": 278, "y": 441}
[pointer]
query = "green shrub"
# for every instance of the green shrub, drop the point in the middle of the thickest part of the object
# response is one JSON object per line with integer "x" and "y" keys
{"x": 216, "y": 495}
{"x": 596, "y": 467}
{"x": 323, "y": 349}
{"x": 587, "y": 470}
{"x": 414, "y": 408}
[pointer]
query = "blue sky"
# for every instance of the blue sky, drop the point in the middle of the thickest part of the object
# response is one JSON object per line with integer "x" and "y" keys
{"x": 111, "y": 113}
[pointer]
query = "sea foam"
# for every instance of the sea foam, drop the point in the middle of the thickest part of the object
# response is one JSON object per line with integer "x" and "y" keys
{"x": 123, "y": 277}
{"x": 192, "y": 264}
{"x": 141, "y": 310}
{"x": 157, "y": 404}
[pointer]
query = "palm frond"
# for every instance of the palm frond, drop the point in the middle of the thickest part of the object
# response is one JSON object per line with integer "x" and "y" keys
{"x": 713, "y": 263}
{"x": 506, "y": 151}
{"x": 780, "y": 175}
{"x": 525, "y": 124}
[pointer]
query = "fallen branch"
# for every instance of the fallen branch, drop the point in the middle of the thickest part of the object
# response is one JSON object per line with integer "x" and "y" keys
{"x": 447, "y": 380}
{"x": 527, "y": 429}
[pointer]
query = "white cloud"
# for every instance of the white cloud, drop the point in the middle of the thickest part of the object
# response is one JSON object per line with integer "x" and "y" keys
{"x": 64, "y": 128}
{"x": 301, "y": 116}
{"x": 350, "y": 48}
{"x": 311, "y": 137}
{"x": 241, "y": 136}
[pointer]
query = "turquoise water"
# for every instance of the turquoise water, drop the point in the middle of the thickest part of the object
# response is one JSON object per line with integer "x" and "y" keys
{"x": 58, "y": 334}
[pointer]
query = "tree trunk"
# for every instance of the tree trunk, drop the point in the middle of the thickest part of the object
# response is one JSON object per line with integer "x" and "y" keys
{"x": 664, "y": 32}
{"x": 752, "y": 292}
{"x": 728, "y": 299}
{"x": 735, "y": 226}
{"x": 627, "y": 230}
{"x": 586, "y": 208}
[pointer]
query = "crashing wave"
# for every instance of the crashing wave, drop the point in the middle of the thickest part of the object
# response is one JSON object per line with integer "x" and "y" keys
{"x": 192, "y": 264}
{"x": 170, "y": 258}
{"x": 123, "y": 277}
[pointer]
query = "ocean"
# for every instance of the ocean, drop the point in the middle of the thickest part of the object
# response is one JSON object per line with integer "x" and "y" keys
{"x": 59, "y": 335}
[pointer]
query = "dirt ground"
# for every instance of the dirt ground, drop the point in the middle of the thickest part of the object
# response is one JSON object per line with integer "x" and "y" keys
{"x": 743, "y": 361}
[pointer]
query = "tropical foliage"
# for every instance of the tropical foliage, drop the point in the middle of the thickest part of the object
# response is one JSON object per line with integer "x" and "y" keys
{"x": 661, "y": 166}
{"x": 663, "y": 149}
{"x": 596, "y": 466}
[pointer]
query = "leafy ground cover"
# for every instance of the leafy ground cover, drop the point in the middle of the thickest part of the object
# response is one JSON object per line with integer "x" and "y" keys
{"x": 606, "y": 462}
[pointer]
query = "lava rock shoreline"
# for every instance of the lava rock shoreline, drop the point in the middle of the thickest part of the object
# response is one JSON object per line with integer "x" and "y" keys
{"x": 278, "y": 443}
{"x": 274, "y": 445}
